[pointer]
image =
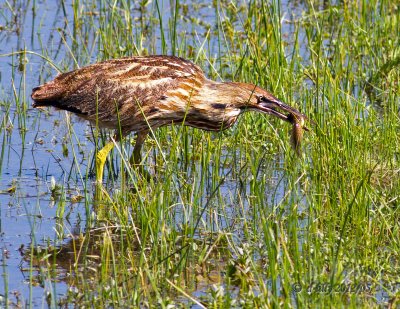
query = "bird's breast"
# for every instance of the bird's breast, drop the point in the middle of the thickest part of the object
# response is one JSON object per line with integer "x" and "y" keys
{"x": 211, "y": 119}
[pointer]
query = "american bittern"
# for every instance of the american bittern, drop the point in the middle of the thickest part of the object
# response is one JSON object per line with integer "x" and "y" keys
{"x": 139, "y": 93}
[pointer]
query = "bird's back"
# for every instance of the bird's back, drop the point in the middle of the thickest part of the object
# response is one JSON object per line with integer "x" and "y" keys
{"x": 121, "y": 90}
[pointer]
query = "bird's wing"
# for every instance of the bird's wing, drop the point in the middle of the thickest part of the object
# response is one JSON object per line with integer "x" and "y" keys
{"x": 116, "y": 90}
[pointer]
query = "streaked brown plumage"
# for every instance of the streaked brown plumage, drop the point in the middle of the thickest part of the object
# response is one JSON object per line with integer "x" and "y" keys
{"x": 138, "y": 92}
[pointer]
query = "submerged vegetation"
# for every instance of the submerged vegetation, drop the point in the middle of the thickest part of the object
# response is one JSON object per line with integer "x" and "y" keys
{"x": 230, "y": 219}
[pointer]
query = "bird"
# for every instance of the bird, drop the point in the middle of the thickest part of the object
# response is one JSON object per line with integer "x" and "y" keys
{"x": 142, "y": 93}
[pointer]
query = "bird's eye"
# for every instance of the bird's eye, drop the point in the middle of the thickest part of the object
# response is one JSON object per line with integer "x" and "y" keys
{"x": 260, "y": 98}
{"x": 264, "y": 99}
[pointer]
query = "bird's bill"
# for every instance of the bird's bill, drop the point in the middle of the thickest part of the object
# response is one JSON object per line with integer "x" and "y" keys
{"x": 277, "y": 108}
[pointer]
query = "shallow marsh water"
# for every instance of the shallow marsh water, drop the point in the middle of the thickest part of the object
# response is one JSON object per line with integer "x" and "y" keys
{"x": 37, "y": 150}
{"x": 46, "y": 163}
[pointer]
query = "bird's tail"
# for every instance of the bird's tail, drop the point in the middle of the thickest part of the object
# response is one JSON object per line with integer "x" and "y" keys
{"x": 46, "y": 95}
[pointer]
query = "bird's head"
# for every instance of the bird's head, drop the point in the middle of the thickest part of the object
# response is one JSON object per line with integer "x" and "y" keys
{"x": 262, "y": 101}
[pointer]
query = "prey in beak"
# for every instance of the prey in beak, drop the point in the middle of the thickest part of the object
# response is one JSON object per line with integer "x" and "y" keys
{"x": 272, "y": 106}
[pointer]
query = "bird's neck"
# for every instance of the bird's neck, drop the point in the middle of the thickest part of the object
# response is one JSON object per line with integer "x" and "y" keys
{"x": 228, "y": 93}
{"x": 217, "y": 105}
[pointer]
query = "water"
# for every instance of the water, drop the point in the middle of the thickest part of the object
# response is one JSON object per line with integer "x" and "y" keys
{"x": 37, "y": 151}
{"x": 31, "y": 150}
